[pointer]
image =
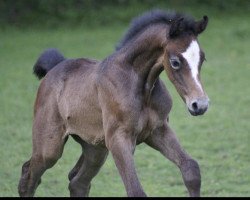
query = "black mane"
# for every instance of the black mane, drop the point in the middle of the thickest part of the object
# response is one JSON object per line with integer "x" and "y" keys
{"x": 149, "y": 18}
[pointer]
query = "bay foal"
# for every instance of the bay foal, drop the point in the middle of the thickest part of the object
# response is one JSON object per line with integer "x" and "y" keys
{"x": 118, "y": 103}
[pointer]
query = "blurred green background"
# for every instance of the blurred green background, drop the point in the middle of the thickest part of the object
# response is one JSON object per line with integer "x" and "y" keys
{"x": 219, "y": 140}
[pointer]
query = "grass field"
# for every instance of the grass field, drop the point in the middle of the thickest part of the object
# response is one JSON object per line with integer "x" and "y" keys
{"x": 219, "y": 140}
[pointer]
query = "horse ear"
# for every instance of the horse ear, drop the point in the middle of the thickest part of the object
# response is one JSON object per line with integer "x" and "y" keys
{"x": 201, "y": 25}
{"x": 176, "y": 28}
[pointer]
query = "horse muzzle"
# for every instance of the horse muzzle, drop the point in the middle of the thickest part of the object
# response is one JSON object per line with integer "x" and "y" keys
{"x": 198, "y": 106}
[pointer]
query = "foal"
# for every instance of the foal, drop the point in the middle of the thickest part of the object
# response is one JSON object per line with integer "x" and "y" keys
{"x": 118, "y": 103}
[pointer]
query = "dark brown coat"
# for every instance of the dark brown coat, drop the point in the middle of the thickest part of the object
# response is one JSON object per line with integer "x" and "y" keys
{"x": 115, "y": 104}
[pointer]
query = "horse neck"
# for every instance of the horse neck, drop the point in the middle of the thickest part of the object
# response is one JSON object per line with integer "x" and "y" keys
{"x": 144, "y": 55}
{"x": 144, "y": 51}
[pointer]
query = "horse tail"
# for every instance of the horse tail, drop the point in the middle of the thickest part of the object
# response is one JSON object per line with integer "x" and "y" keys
{"x": 47, "y": 60}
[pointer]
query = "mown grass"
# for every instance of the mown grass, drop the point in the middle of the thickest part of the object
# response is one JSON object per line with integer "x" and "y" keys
{"x": 219, "y": 140}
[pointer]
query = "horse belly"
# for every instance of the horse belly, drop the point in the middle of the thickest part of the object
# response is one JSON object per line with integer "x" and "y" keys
{"x": 87, "y": 124}
{"x": 82, "y": 114}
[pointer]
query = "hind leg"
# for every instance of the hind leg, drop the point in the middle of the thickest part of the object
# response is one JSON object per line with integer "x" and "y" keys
{"x": 79, "y": 163}
{"x": 48, "y": 143}
{"x": 76, "y": 168}
{"x": 87, "y": 167}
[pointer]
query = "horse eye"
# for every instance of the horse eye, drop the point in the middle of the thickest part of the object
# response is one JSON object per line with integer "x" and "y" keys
{"x": 175, "y": 63}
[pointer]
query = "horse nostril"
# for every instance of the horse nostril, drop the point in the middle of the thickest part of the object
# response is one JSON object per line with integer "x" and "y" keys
{"x": 198, "y": 107}
{"x": 195, "y": 106}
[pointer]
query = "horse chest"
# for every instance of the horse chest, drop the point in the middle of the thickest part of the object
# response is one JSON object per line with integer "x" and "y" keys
{"x": 148, "y": 121}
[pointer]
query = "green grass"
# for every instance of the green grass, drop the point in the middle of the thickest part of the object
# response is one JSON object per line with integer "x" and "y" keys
{"x": 219, "y": 140}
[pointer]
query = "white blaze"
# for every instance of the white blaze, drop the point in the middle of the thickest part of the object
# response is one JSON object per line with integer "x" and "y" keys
{"x": 192, "y": 56}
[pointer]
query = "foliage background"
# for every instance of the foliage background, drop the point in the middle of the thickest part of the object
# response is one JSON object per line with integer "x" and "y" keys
{"x": 54, "y": 13}
{"x": 219, "y": 140}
